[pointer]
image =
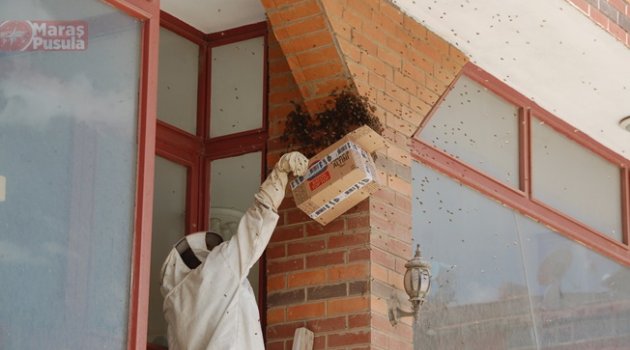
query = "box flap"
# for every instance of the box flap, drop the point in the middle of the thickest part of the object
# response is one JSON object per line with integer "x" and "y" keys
{"x": 366, "y": 138}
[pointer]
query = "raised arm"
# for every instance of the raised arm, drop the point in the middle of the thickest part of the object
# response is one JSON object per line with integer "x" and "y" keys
{"x": 257, "y": 225}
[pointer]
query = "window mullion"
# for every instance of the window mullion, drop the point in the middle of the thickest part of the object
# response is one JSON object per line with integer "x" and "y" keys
{"x": 625, "y": 204}
{"x": 524, "y": 122}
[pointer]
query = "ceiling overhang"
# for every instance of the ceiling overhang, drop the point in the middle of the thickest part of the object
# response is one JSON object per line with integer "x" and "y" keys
{"x": 548, "y": 51}
{"x": 545, "y": 49}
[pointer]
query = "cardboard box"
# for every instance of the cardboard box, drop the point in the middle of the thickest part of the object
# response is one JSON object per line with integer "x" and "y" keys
{"x": 339, "y": 177}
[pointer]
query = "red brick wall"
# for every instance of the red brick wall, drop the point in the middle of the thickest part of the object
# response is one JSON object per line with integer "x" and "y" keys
{"x": 336, "y": 279}
{"x": 309, "y": 47}
{"x": 612, "y": 15}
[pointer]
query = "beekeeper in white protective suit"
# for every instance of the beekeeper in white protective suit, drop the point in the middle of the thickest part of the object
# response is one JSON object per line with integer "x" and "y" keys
{"x": 208, "y": 301}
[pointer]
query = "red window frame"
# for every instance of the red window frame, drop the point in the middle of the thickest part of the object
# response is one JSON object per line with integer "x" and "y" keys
{"x": 180, "y": 146}
{"x": 197, "y": 151}
{"x": 521, "y": 199}
{"x": 148, "y": 12}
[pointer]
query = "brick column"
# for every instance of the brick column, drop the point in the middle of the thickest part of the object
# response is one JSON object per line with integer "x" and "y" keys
{"x": 308, "y": 43}
{"x": 336, "y": 279}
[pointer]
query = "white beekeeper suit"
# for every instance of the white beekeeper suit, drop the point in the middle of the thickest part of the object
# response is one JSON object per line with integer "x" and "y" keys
{"x": 212, "y": 306}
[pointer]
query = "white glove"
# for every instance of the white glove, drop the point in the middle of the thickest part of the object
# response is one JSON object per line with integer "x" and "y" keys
{"x": 272, "y": 190}
{"x": 294, "y": 162}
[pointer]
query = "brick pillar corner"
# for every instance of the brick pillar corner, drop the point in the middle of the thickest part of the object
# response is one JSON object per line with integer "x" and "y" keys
{"x": 336, "y": 279}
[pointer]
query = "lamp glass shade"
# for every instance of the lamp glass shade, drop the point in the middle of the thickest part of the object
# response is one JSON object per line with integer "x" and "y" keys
{"x": 417, "y": 280}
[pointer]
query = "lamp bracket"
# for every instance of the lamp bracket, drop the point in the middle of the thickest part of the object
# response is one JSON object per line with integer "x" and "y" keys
{"x": 395, "y": 312}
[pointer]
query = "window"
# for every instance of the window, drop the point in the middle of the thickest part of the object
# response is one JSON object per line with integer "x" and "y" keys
{"x": 69, "y": 153}
{"x": 490, "y": 137}
{"x": 501, "y": 280}
{"x": 236, "y": 81}
{"x": 233, "y": 181}
{"x": 177, "y": 81}
{"x": 575, "y": 180}
{"x": 479, "y": 128}
{"x": 537, "y": 261}
{"x": 169, "y": 222}
{"x": 211, "y": 139}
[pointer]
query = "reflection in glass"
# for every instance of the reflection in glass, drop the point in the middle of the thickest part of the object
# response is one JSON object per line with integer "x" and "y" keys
{"x": 177, "y": 81}
{"x": 576, "y": 181}
{"x": 68, "y": 152}
{"x": 503, "y": 281}
{"x": 579, "y": 297}
{"x": 477, "y": 267}
{"x": 169, "y": 225}
{"x": 479, "y": 128}
{"x": 237, "y": 87}
{"x": 233, "y": 183}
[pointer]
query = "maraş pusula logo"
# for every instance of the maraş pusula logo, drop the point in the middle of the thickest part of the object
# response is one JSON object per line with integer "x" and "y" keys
{"x": 18, "y": 35}
{"x": 15, "y": 35}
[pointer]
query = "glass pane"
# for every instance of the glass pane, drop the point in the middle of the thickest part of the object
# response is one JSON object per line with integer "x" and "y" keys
{"x": 169, "y": 225}
{"x": 578, "y": 296}
{"x": 503, "y": 281}
{"x": 177, "y": 81}
{"x": 574, "y": 180}
{"x": 231, "y": 195}
{"x": 237, "y": 87}
{"x": 478, "y": 280}
{"x": 68, "y": 147}
{"x": 479, "y": 128}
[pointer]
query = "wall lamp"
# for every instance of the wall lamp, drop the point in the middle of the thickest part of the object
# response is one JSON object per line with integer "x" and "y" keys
{"x": 417, "y": 282}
